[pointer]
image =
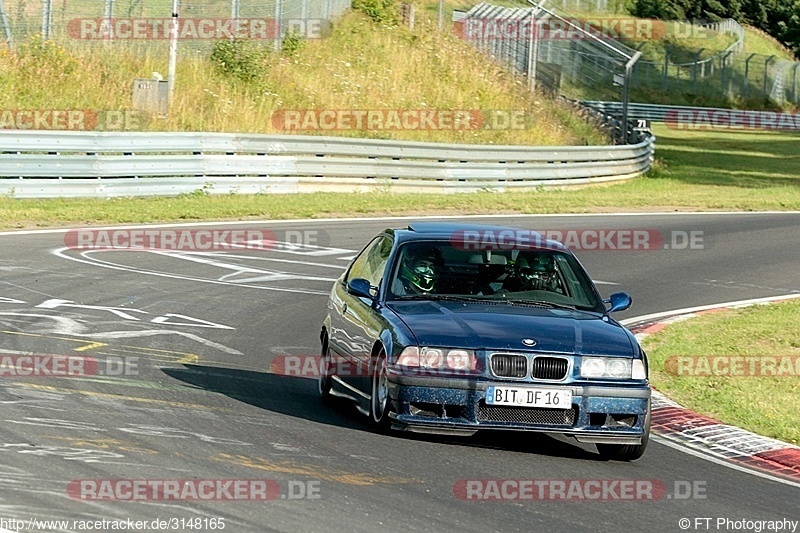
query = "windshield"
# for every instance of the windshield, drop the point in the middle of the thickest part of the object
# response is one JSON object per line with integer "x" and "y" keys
{"x": 438, "y": 270}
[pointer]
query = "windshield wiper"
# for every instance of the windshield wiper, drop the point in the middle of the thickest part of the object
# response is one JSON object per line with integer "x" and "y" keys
{"x": 448, "y": 297}
{"x": 544, "y": 303}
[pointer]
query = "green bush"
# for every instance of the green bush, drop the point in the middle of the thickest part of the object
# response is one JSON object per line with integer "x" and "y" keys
{"x": 240, "y": 59}
{"x": 381, "y": 11}
{"x": 292, "y": 42}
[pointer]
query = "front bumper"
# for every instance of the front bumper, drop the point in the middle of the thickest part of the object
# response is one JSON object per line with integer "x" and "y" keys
{"x": 607, "y": 414}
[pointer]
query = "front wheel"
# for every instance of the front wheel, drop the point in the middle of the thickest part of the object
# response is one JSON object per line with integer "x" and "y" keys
{"x": 379, "y": 399}
{"x": 325, "y": 373}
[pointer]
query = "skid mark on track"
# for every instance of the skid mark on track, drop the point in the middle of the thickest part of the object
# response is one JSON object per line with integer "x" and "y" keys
{"x": 108, "y": 444}
{"x": 317, "y": 472}
{"x": 111, "y": 335}
{"x": 120, "y": 397}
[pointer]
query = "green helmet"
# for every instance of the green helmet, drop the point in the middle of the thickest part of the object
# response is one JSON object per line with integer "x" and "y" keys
{"x": 537, "y": 271}
{"x": 420, "y": 266}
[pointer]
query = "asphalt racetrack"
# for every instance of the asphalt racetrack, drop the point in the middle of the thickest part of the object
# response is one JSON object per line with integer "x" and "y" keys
{"x": 185, "y": 349}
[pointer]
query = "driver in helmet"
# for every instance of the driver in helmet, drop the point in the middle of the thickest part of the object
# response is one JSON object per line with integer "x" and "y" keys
{"x": 536, "y": 272}
{"x": 419, "y": 270}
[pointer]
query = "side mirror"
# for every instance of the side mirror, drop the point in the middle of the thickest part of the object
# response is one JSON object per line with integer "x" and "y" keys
{"x": 619, "y": 302}
{"x": 360, "y": 287}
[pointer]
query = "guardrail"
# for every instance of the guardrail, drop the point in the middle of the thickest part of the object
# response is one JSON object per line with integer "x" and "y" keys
{"x": 688, "y": 117}
{"x": 104, "y": 164}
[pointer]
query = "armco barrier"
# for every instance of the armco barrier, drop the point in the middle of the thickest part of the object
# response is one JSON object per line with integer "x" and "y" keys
{"x": 700, "y": 117}
{"x": 104, "y": 164}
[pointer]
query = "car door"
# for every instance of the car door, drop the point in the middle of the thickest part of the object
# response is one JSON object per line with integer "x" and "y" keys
{"x": 356, "y": 322}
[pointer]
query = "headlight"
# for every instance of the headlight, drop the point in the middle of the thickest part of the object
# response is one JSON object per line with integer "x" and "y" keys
{"x": 612, "y": 368}
{"x": 438, "y": 359}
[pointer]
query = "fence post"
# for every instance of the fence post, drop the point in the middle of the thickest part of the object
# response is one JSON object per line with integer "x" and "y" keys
{"x": 626, "y": 93}
{"x": 533, "y": 48}
{"x": 108, "y": 14}
{"x": 278, "y": 25}
{"x": 6, "y": 25}
{"x": 725, "y": 73}
{"x": 746, "y": 87}
{"x": 794, "y": 82}
{"x": 695, "y": 66}
{"x": 766, "y": 66}
{"x": 173, "y": 51}
{"x": 665, "y": 70}
{"x": 47, "y": 19}
{"x": 235, "y": 17}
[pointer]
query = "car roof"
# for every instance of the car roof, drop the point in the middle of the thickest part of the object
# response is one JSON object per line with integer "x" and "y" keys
{"x": 423, "y": 231}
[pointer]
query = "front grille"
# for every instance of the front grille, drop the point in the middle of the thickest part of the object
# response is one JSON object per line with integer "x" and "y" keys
{"x": 554, "y": 368}
{"x": 509, "y": 365}
{"x": 526, "y": 415}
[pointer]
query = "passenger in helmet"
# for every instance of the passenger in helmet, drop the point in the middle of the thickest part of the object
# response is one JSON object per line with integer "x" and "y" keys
{"x": 419, "y": 270}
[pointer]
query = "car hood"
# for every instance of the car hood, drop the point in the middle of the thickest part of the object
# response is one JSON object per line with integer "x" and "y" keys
{"x": 502, "y": 326}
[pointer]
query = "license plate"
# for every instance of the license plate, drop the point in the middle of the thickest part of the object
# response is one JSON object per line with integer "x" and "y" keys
{"x": 525, "y": 397}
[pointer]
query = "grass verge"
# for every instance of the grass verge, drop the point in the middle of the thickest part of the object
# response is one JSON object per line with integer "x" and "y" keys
{"x": 246, "y": 86}
{"x": 767, "y": 336}
{"x": 696, "y": 170}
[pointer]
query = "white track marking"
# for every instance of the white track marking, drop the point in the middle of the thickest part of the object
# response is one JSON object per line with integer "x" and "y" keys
{"x": 228, "y": 255}
{"x": 270, "y": 275}
{"x": 154, "y": 332}
{"x": 60, "y": 252}
{"x": 68, "y": 326}
{"x": 682, "y": 447}
{"x": 753, "y": 472}
{"x": 737, "y": 303}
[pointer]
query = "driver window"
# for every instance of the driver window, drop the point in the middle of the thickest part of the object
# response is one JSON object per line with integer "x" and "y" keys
{"x": 371, "y": 263}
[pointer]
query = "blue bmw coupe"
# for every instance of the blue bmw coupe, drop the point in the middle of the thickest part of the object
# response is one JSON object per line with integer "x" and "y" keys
{"x": 453, "y": 328}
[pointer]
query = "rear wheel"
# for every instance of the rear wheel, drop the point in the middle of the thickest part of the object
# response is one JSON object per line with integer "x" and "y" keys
{"x": 379, "y": 399}
{"x": 626, "y": 452}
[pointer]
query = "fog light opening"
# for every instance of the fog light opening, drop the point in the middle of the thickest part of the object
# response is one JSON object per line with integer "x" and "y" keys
{"x": 597, "y": 419}
{"x": 622, "y": 420}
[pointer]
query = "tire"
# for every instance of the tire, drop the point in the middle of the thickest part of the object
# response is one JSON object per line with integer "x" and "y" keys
{"x": 626, "y": 452}
{"x": 379, "y": 398}
{"x": 325, "y": 381}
